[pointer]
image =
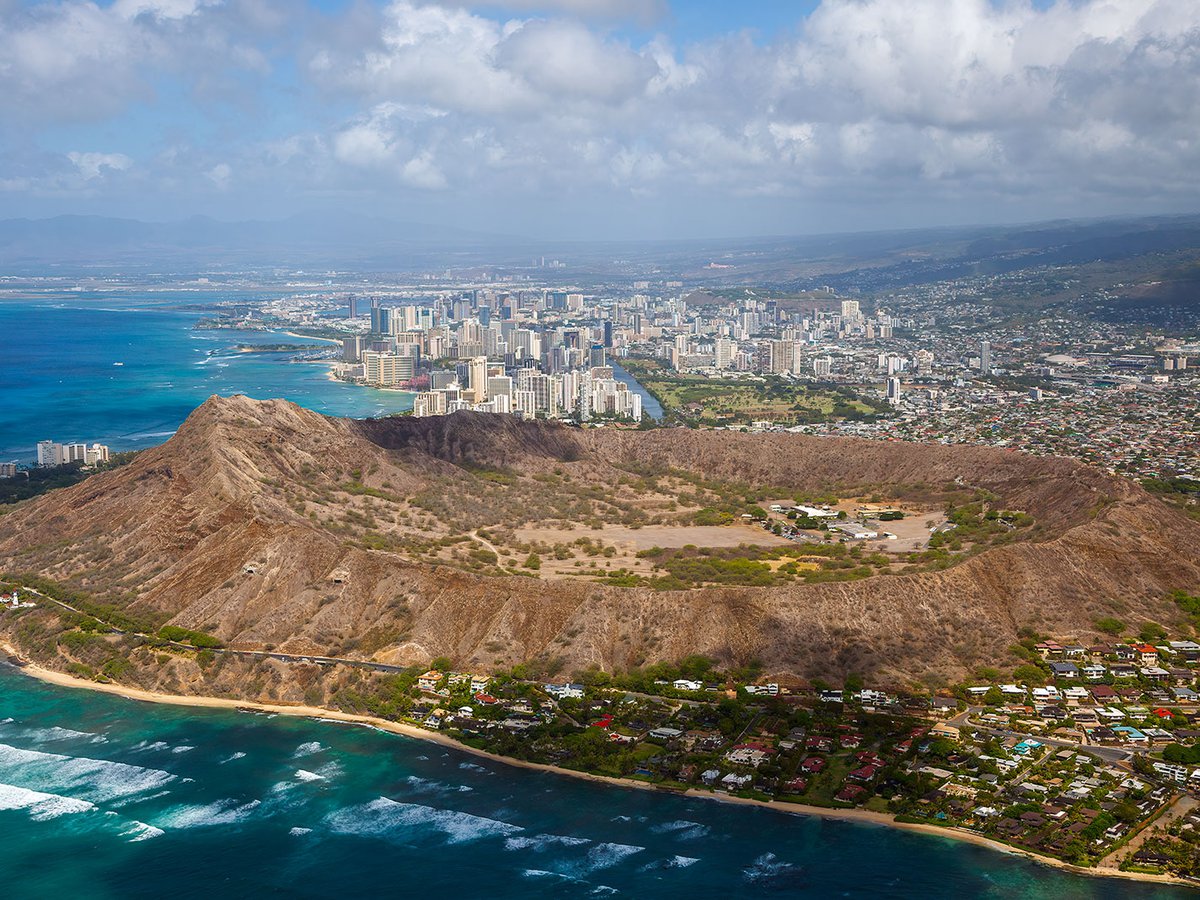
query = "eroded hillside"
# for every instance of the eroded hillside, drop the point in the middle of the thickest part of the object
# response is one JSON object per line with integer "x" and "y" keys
{"x": 405, "y": 539}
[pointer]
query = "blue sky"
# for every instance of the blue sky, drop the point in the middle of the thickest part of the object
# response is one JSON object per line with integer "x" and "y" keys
{"x": 602, "y": 118}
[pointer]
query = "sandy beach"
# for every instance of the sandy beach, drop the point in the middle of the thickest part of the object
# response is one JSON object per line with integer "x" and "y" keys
{"x": 859, "y": 816}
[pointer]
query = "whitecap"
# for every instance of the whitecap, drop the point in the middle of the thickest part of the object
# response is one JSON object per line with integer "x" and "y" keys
{"x": 305, "y": 775}
{"x": 308, "y": 749}
{"x": 383, "y": 817}
{"x": 56, "y": 733}
{"x": 542, "y": 873}
{"x": 142, "y": 746}
{"x": 418, "y": 783}
{"x": 183, "y": 748}
{"x": 238, "y": 755}
{"x": 675, "y": 862}
{"x": 682, "y": 829}
{"x": 300, "y": 832}
{"x": 542, "y": 842}
{"x": 91, "y": 779}
{"x": 768, "y": 867}
{"x": 605, "y": 856}
{"x": 140, "y": 831}
{"x": 222, "y": 812}
{"x": 473, "y": 767}
{"x": 41, "y": 806}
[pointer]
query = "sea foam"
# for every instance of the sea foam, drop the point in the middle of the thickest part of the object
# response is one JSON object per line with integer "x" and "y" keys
{"x": 385, "y": 818}
{"x": 41, "y": 806}
{"x": 222, "y": 812}
{"x": 96, "y": 780}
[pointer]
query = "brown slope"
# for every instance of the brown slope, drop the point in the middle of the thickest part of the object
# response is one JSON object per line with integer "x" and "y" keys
{"x": 174, "y": 531}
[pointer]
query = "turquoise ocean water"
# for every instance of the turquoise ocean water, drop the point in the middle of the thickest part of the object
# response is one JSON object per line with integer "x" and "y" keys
{"x": 103, "y": 797}
{"x": 58, "y": 378}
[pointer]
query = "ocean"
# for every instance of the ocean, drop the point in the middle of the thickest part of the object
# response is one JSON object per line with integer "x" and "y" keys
{"x": 104, "y": 797}
{"x": 60, "y": 378}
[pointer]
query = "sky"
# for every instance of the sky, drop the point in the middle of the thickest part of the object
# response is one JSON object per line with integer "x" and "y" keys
{"x": 602, "y": 119}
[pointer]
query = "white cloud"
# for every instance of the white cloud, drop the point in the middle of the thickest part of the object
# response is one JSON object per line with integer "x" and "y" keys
{"x": 220, "y": 175}
{"x": 898, "y": 93}
{"x": 644, "y": 11}
{"x": 94, "y": 165}
{"x": 562, "y": 60}
{"x": 972, "y": 100}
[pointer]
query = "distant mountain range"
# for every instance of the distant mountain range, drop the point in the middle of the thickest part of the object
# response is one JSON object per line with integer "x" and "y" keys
{"x": 862, "y": 262}
{"x": 89, "y": 241}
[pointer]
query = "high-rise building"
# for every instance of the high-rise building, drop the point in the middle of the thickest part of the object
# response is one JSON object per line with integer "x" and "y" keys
{"x": 985, "y": 356}
{"x": 499, "y": 385}
{"x": 477, "y": 379}
{"x": 387, "y": 368}
{"x": 723, "y": 350}
{"x": 50, "y": 453}
{"x": 380, "y": 319}
{"x": 924, "y": 362}
{"x": 822, "y": 366}
{"x": 352, "y": 348}
{"x": 893, "y": 391}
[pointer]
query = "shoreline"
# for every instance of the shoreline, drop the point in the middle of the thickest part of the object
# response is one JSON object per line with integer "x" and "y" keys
{"x": 859, "y": 816}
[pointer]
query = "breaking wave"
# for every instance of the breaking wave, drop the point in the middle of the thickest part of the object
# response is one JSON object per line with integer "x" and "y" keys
{"x": 222, "y": 812}
{"x": 95, "y": 780}
{"x": 384, "y": 817}
{"x": 542, "y": 842}
{"x": 41, "y": 806}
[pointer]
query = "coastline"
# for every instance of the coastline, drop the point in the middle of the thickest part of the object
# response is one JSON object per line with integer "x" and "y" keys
{"x": 859, "y": 816}
{"x": 313, "y": 337}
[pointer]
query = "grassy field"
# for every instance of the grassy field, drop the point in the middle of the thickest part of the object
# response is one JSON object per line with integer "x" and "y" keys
{"x": 712, "y": 401}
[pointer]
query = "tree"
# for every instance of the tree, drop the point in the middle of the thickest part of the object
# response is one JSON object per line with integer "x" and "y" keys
{"x": 533, "y": 561}
{"x": 1110, "y": 626}
{"x": 442, "y": 664}
{"x": 1029, "y": 674}
{"x": 1151, "y": 632}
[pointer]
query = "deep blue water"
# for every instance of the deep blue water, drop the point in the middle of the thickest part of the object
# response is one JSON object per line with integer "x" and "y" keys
{"x": 106, "y": 797}
{"x": 58, "y": 379}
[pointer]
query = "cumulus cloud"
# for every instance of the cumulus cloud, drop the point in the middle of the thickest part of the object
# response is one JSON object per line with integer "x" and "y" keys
{"x": 220, "y": 175}
{"x": 955, "y": 101}
{"x": 643, "y": 11}
{"x": 94, "y": 165}
{"x": 76, "y": 60}
{"x": 941, "y": 96}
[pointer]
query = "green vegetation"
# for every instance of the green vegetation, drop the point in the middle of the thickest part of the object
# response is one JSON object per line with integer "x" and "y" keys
{"x": 976, "y": 524}
{"x": 691, "y": 567}
{"x": 696, "y": 400}
{"x": 187, "y": 636}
